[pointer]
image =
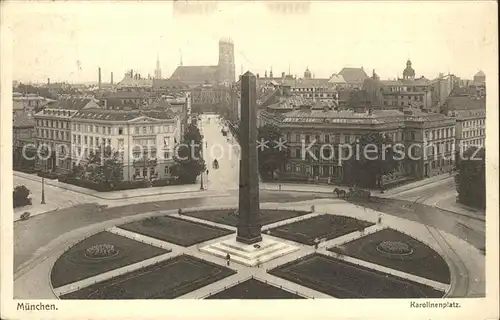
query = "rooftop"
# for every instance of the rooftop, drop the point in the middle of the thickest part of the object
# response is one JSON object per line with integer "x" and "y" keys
{"x": 349, "y": 116}
{"x": 353, "y": 74}
{"x": 121, "y": 115}
{"x": 197, "y": 74}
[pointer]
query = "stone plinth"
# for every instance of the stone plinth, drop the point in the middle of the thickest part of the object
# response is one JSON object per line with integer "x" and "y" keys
{"x": 250, "y": 254}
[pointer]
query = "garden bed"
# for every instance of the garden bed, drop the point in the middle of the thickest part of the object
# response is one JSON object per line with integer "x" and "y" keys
{"x": 254, "y": 289}
{"x": 75, "y": 265}
{"x": 176, "y": 230}
{"x": 323, "y": 227}
{"x": 345, "y": 280}
{"x": 165, "y": 280}
{"x": 421, "y": 260}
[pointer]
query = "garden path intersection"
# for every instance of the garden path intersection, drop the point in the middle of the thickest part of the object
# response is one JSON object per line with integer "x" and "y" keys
{"x": 36, "y": 256}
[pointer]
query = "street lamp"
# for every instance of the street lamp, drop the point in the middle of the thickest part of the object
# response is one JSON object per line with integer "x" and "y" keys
{"x": 43, "y": 191}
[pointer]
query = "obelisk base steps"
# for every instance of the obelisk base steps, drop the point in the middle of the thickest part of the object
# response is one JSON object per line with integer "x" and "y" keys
{"x": 250, "y": 254}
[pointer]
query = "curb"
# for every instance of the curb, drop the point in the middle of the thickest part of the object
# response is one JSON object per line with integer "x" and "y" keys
{"x": 479, "y": 218}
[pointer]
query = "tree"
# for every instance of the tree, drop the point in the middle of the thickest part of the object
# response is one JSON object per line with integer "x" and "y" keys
{"x": 21, "y": 196}
{"x": 188, "y": 160}
{"x": 471, "y": 178}
{"x": 104, "y": 166}
{"x": 272, "y": 157}
{"x": 372, "y": 157}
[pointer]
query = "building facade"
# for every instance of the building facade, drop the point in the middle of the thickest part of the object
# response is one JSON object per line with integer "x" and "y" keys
{"x": 331, "y": 128}
{"x": 145, "y": 139}
{"x": 470, "y": 128}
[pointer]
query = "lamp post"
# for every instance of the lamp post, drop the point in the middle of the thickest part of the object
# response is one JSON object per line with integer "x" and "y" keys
{"x": 43, "y": 191}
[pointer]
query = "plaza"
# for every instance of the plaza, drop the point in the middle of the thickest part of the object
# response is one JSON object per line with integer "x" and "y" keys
{"x": 313, "y": 245}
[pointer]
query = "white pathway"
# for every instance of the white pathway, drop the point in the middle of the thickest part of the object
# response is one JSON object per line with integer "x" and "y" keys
{"x": 442, "y": 244}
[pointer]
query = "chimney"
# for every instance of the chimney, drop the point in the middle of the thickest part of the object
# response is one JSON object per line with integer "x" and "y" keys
{"x": 111, "y": 77}
{"x": 257, "y": 76}
{"x": 48, "y": 81}
{"x": 283, "y": 75}
{"x": 99, "y": 77}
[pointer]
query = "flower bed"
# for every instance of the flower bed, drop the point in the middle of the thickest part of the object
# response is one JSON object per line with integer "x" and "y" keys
{"x": 394, "y": 248}
{"x": 100, "y": 251}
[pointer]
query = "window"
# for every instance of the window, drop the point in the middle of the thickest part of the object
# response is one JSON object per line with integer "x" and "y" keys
{"x": 109, "y": 130}
{"x": 307, "y": 138}
{"x": 79, "y": 139}
{"x": 120, "y": 130}
{"x": 74, "y": 138}
{"x": 136, "y": 130}
{"x": 144, "y": 130}
{"x": 145, "y": 172}
{"x": 167, "y": 170}
{"x": 92, "y": 141}
{"x": 297, "y": 137}
{"x": 327, "y": 138}
{"x": 108, "y": 142}
{"x": 85, "y": 140}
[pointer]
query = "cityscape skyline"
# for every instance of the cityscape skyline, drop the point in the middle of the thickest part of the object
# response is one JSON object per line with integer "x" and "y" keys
{"x": 133, "y": 39}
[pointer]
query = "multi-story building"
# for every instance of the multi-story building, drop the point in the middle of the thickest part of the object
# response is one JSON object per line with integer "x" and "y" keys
{"x": 145, "y": 139}
{"x": 470, "y": 128}
{"x": 410, "y": 127}
{"x": 53, "y": 133}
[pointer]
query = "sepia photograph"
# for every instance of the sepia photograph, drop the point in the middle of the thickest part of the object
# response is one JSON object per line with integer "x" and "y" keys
{"x": 251, "y": 154}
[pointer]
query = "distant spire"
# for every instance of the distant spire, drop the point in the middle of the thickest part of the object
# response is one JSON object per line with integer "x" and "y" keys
{"x": 180, "y": 53}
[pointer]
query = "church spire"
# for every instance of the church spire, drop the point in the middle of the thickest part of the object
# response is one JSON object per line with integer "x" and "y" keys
{"x": 158, "y": 69}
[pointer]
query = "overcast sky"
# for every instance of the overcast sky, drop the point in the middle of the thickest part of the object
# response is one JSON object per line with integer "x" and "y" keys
{"x": 68, "y": 41}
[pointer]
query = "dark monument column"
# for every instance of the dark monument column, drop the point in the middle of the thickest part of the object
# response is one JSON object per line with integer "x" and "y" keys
{"x": 249, "y": 208}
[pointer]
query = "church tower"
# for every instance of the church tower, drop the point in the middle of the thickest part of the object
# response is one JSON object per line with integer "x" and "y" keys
{"x": 408, "y": 73}
{"x": 226, "y": 61}
{"x": 158, "y": 69}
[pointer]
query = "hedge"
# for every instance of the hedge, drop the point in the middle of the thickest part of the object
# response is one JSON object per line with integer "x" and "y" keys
{"x": 101, "y": 187}
{"x": 48, "y": 175}
{"x": 118, "y": 186}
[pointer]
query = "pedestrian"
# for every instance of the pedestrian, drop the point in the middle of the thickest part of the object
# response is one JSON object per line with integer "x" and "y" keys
{"x": 312, "y": 208}
{"x": 379, "y": 219}
{"x": 207, "y": 172}
{"x": 228, "y": 259}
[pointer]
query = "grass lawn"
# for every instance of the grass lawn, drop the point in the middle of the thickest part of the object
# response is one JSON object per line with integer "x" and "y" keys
{"x": 341, "y": 279}
{"x": 423, "y": 262}
{"x": 254, "y": 289}
{"x": 165, "y": 280}
{"x": 73, "y": 265}
{"x": 324, "y": 226}
{"x": 227, "y": 217}
{"x": 176, "y": 230}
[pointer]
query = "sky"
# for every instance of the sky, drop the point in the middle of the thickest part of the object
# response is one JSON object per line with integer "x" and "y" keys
{"x": 69, "y": 41}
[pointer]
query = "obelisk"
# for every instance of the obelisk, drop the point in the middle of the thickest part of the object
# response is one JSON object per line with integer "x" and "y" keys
{"x": 249, "y": 227}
